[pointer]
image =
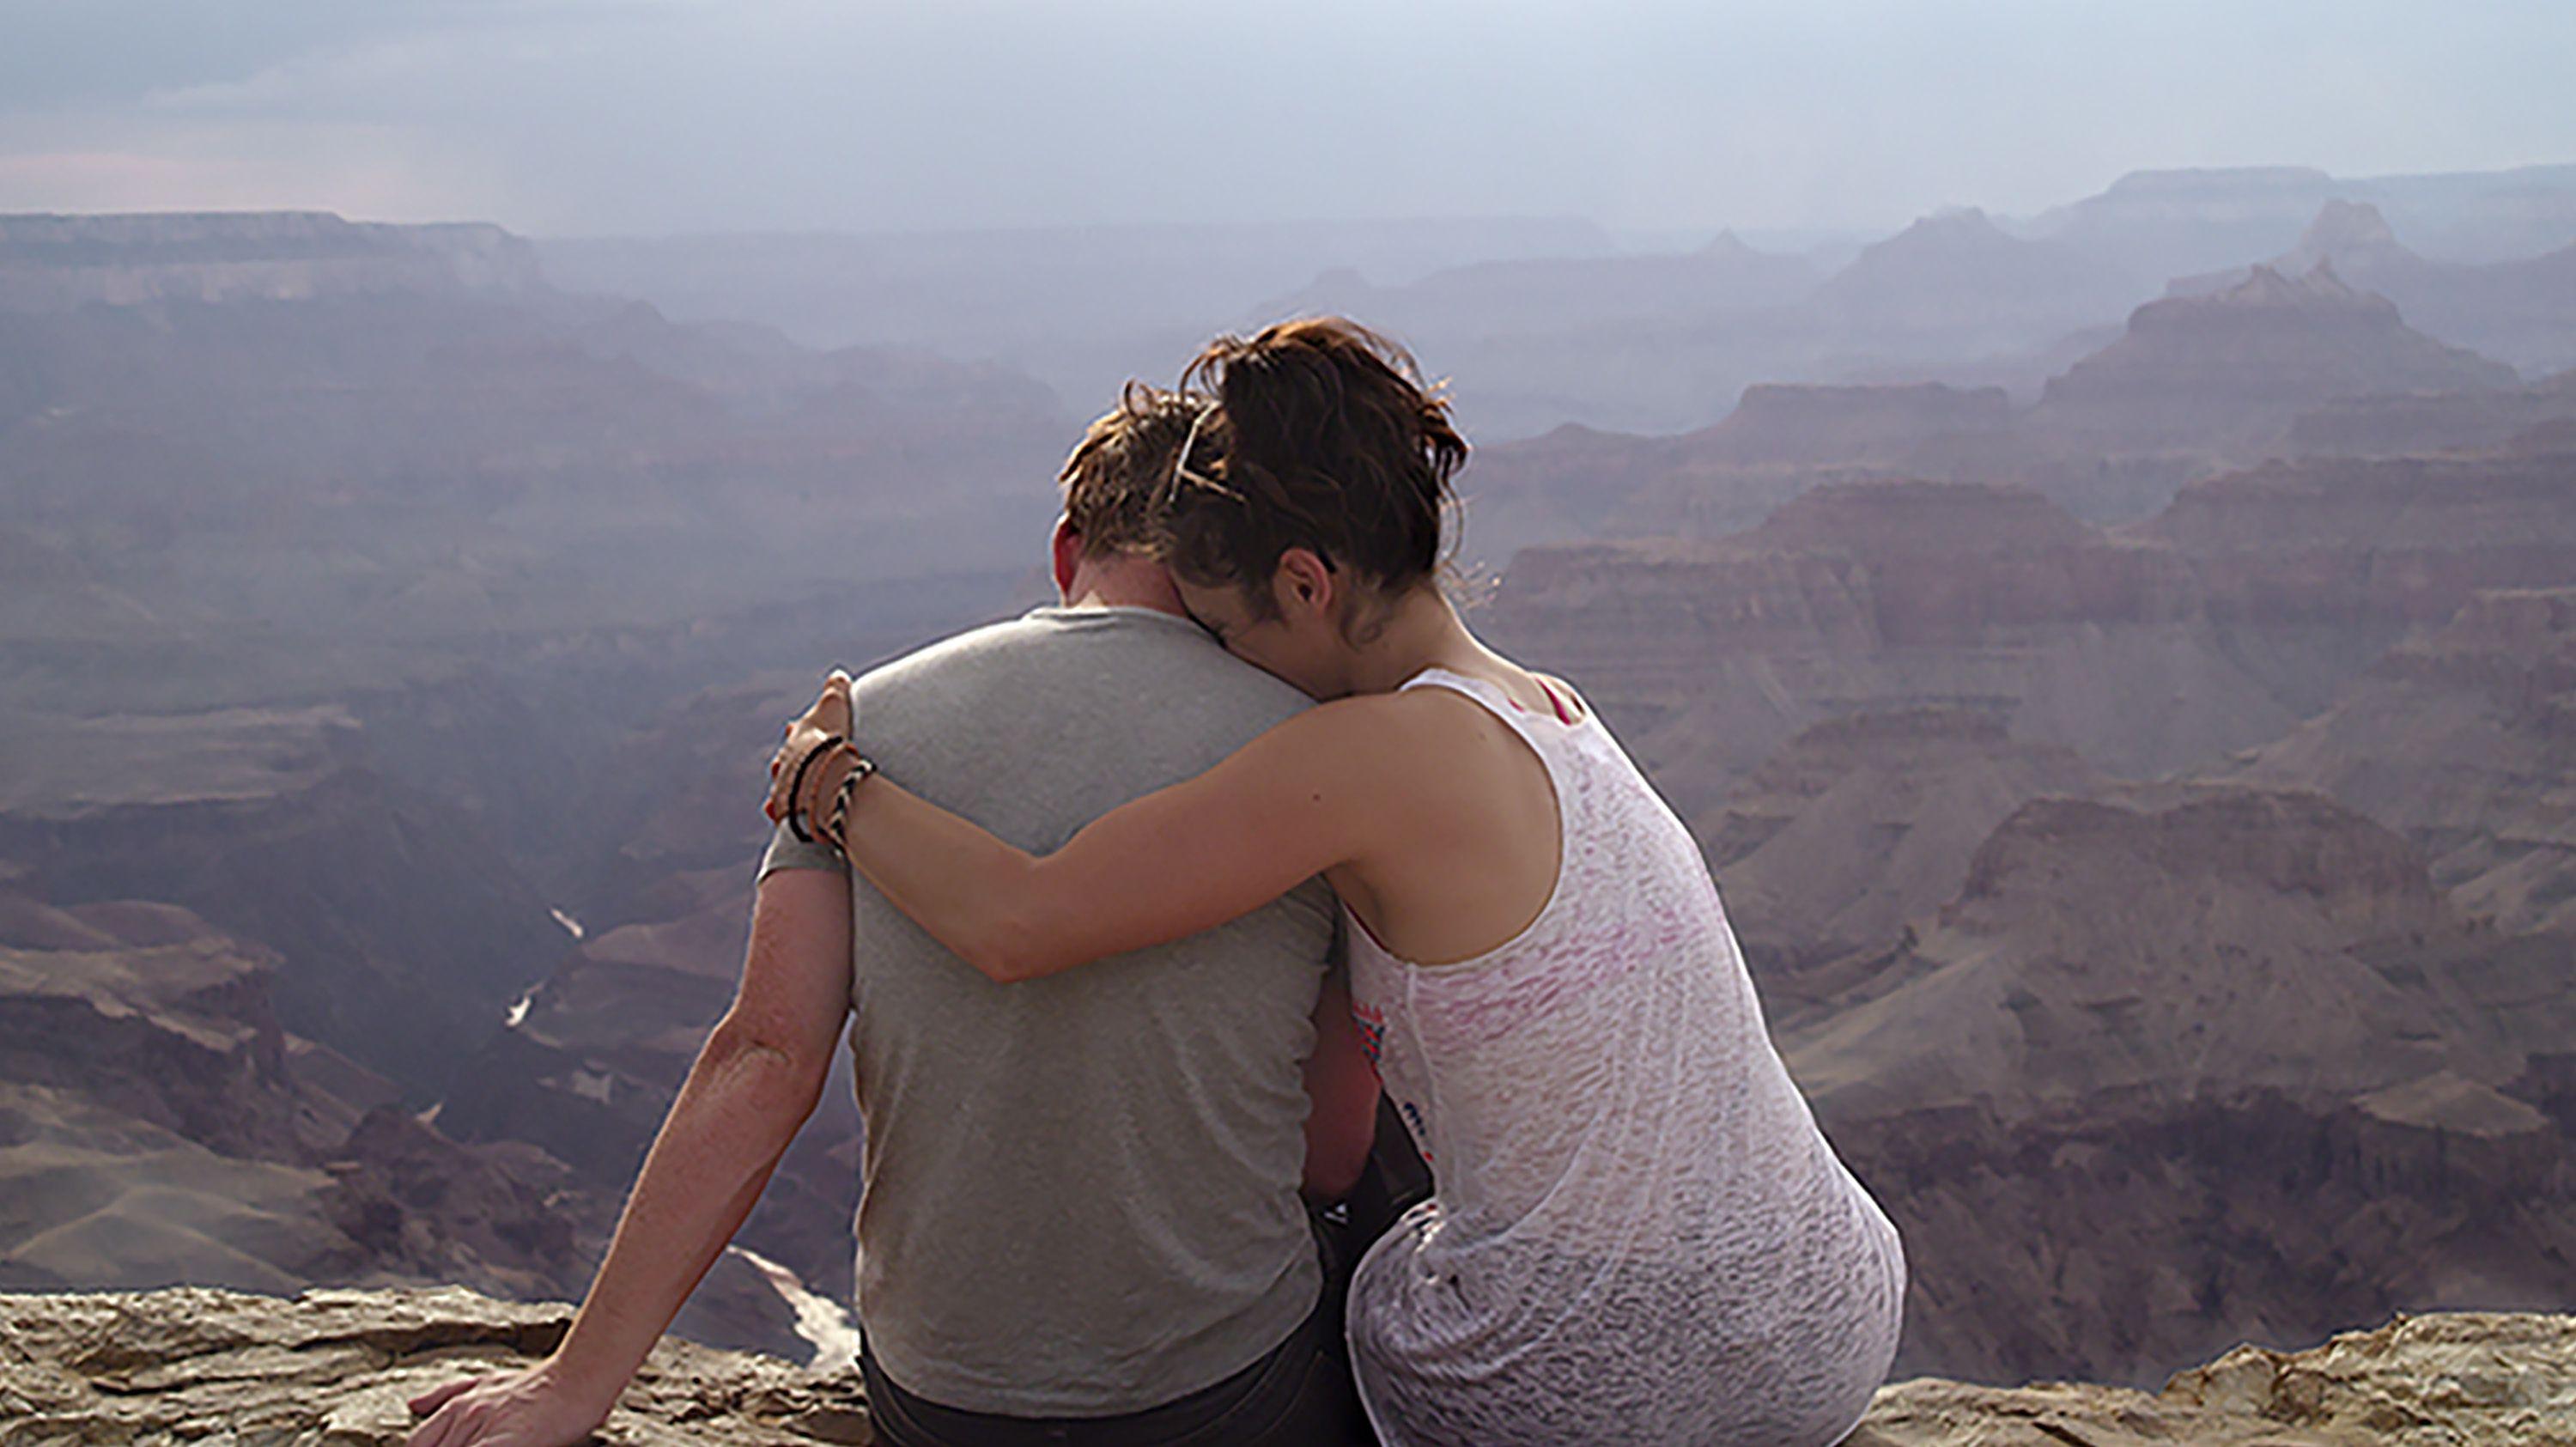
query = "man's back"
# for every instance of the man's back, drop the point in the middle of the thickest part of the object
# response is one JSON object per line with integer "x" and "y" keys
{"x": 1081, "y": 1192}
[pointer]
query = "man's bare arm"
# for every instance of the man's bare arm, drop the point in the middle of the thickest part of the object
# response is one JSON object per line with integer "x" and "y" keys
{"x": 756, "y": 1080}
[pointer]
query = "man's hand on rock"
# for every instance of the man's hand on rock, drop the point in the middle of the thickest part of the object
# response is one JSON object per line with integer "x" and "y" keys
{"x": 532, "y": 1407}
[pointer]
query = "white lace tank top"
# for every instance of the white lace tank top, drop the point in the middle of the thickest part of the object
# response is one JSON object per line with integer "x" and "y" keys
{"x": 1638, "y": 1234}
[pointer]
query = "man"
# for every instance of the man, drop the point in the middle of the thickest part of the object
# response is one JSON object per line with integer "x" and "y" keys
{"x": 1081, "y": 1218}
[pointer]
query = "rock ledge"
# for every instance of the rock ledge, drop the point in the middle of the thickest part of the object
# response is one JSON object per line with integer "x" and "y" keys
{"x": 333, "y": 1369}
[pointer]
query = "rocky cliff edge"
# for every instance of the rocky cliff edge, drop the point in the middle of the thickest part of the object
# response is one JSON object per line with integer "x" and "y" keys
{"x": 333, "y": 1369}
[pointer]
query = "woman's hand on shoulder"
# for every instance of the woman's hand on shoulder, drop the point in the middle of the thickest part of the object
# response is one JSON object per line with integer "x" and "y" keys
{"x": 832, "y": 716}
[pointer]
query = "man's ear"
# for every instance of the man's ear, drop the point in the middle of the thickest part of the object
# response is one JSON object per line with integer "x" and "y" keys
{"x": 1304, "y": 582}
{"x": 1065, "y": 553}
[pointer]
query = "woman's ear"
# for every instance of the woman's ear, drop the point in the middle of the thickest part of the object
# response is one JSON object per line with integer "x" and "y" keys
{"x": 1304, "y": 582}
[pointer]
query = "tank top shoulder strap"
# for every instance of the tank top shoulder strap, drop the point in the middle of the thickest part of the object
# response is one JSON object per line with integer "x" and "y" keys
{"x": 1502, "y": 705}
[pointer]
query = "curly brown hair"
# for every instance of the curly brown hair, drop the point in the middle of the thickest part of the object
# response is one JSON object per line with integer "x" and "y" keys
{"x": 1114, "y": 478}
{"x": 1325, "y": 437}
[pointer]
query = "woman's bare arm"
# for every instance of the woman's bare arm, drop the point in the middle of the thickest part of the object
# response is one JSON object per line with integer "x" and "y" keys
{"x": 1293, "y": 803}
{"x": 1313, "y": 794}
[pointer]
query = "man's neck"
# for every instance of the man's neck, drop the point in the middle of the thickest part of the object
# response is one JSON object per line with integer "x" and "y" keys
{"x": 1123, "y": 582}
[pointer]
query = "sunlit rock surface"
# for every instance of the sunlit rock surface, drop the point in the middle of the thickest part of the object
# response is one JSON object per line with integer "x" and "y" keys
{"x": 337, "y": 1367}
{"x": 2465, "y": 1380}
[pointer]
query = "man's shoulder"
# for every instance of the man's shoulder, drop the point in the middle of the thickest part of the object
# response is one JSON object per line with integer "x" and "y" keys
{"x": 1155, "y": 652}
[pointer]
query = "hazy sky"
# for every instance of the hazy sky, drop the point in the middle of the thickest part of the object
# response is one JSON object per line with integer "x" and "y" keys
{"x": 581, "y": 116}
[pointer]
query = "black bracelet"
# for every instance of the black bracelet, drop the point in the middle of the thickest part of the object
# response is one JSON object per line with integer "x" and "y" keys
{"x": 796, "y": 789}
{"x": 836, "y": 830}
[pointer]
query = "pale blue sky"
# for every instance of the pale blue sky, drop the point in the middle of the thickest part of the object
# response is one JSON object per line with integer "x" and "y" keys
{"x": 580, "y": 116}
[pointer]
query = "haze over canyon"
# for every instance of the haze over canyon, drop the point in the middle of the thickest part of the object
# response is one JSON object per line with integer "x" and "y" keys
{"x": 2120, "y": 663}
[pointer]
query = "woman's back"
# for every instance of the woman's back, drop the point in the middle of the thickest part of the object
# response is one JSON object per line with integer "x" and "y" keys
{"x": 1639, "y": 1233}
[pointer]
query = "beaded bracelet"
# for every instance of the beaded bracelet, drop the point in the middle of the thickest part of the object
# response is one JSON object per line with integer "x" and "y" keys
{"x": 836, "y": 830}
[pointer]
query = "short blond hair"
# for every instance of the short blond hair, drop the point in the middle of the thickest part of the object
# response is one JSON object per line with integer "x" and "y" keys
{"x": 1114, "y": 479}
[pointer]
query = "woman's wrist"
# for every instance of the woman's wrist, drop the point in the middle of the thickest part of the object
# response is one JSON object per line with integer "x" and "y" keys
{"x": 800, "y": 817}
{"x": 823, "y": 786}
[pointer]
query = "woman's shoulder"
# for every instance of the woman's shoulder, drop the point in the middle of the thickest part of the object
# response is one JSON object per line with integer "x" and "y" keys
{"x": 1365, "y": 716}
{"x": 1387, "y": 733}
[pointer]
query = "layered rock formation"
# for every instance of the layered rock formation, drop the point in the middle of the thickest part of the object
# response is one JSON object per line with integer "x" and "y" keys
{"x": 2164, "y": 223}
{"x": 2226, "y": 372}
{"x": 339, "y": 1366}
{"x": 2465, "y": 739}
{"x": 2379, "y": 546}
{"x": 1862, "y": 823}
{"x": 1707, "y": 656}
{"x": 1960, "y": 275}
{"x": 400, "y": 930}
{"x": 2518, "y": 309}
{"x": 2429, "y": 422}
{"x": 56, "y": 263}
{"x": 2195, "y": 386}
{"x": 2215, "y": 626}
{"x": 1779, "y": 441}
{"x": 2350, "y": 238}
{"x": 2087, "y": 922}
{"x": 1842, "y": 426}
{"x": 157, "y": 1125}
{"x": 2182, "y": 1067}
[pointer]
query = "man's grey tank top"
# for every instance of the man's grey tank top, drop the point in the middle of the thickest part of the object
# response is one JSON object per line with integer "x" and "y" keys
{"x": 1638, "y": 1234}
{"x": 1081, "y": 1192}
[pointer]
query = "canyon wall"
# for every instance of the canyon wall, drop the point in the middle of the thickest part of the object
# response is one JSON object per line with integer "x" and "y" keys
{"x": 57, "y": 263}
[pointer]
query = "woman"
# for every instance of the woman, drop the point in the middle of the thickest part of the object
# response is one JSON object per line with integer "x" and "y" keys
{"x": 1637, "y": 1234}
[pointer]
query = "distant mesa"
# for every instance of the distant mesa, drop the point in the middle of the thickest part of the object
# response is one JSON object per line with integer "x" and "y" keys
{"x": 2345, "y": 228}
{"x": 1959, "y": 273}
{"x": 2352, "y": 237}
{"x": 1780, "y": 439}
{"x": 1902, "y": 519}
{"x": 2229, "y": 370}
{"x": 2165, "y": 224}
{"x": 2234, "y": 182}
{"x": 2522, "y": 311}
{"x": 55, "y": 263}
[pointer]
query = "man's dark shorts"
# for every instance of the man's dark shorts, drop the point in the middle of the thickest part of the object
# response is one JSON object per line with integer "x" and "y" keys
{"x": 1299, "y": 1395}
